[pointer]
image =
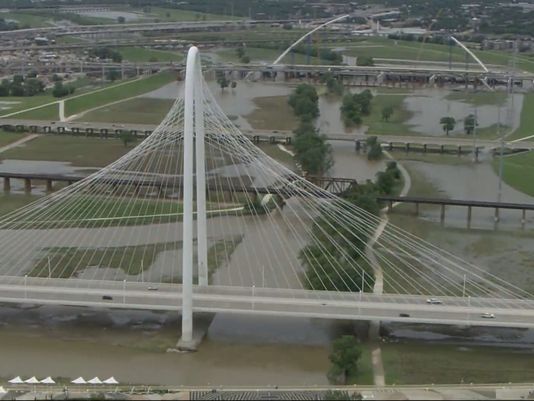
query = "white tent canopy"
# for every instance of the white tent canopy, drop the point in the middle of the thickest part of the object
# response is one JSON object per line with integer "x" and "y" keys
{"x": 32, "y": 380}
{"x": 16, "y": 380}
{"x": 111, "y": 380}
{"x": 48, "y": 380}
{"x": 79, "y": 380}
{"x": 95, "y": 380}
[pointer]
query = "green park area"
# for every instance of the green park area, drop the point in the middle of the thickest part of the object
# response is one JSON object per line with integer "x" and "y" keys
{"x": 10, "y": 202}
{"x": 80, "y": 151}
{"x": 526, "y": 126}
{"x": 395, "y": 125}
{"x": 141, "y": 54}
{"x": 173, "y": 14}
{"x": 134, "y": 111}
{"x": 410, "y": 363}
{"x": 479, "y": 98}
{"x": 117, "y": 92}
{"x": 518, "y": 171}
{"x": 9, "y": 137}
{"x": 93, "y": 98}
{"x": 257, "y": 54}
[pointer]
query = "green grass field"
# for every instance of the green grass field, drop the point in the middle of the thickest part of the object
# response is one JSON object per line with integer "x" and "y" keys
{"x": 170, "y": 14}
{"x": 518, "y": 171}
{"x": 29, "y": 20}
{"x": 526, "y": 126}
{"x": 117, "y": 92}
{"x": 80, "y": 151}
{"x": 141, "y": 54}
{"x": 258, "y": 54}
{"x": 480, "y": 98}
{"x": 134, "y": 111}
{"x": 22, "y": 103}
{"x": 67, "y": 262}
{"x": 396, "y": 124}
{"x": 10, "y": 202}
{"x": 9, "y": 137}
{"x": 407, "y": 363}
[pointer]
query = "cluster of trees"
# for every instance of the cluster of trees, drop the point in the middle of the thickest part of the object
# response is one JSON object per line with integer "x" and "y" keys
{"x": 20, "y": 86}
{"x": 106, "y": 53}
{"x": 224, "y": 82}
{"x": 305, "y": 102}
{"x": 333, "y": 85}
{"x": 311, "y": 148}
{"x": 344, "y": 357}
{"x": 355, "y": 106}
{"x": 374, "y": 150}
{"x": 329, "y": 258}
{"x": 448, "y": 123}
{"x": 365, "y": 61}
{"x": 242, "y": 55}
{"x": 8, "y": 25}
{"x": 61, "y": 90}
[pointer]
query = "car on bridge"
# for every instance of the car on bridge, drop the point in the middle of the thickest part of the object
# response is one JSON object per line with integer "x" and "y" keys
{"x": 487, "y": 315}
{"x": 433, "y": 301}
{"x": 404, "y": 315}
{"x": 107, "y": 298}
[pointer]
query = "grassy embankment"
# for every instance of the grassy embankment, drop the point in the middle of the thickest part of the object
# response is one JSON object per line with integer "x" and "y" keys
{"x": 518, "y": 171}
{"x": 80, "y": 151}
{"x": 408, "y": 363}
{"x": 258, "y": 54}
{"x": 133, "y": 111}
{"x": 141, "y": 54}
{"x": 9, "y": 137}
{"x": 172, "y": 14}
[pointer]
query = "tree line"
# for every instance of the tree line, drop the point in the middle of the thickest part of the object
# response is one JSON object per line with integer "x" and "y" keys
{"x": 21, "y": 86}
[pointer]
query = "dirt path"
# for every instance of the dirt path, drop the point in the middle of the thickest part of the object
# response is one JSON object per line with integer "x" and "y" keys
{"x": 19, "y": 142}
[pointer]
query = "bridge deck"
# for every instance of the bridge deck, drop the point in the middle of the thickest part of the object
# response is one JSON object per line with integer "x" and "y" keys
{"x": 457, "y": 202}
{"x": 268, "y": 301}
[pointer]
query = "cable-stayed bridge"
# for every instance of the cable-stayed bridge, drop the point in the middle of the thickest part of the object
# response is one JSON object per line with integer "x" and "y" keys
{"x": 181, "y": 223}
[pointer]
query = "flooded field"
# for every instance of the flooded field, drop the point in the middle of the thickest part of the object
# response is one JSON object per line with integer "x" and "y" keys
{"x": 269, "y": 111}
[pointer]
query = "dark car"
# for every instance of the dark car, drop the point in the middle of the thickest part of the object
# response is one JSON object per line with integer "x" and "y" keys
{"x": 107, "y": 297}
{"x": 404, "y": 315}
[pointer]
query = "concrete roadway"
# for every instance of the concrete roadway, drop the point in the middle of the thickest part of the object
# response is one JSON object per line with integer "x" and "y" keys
{"x": 267, "y": 301}
{"x": 419, "y": 139}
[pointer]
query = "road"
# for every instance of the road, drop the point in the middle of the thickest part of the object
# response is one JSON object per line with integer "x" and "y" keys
{"x": 267, "y": 301}
{"x": 397, "y": 139}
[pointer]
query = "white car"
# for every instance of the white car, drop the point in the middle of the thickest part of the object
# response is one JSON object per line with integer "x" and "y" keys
{"x": 152, "y": 288}
{"x": 433, "y": 301}
{"x": 488, "y": 316}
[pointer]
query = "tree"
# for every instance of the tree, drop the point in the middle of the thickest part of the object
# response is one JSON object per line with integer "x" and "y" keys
{"x": 305, "y": 102}
{"x": 121, "y": 19}
{"x": 113, "y": 75}
{"x": 233, "y": 85}
{"x": 387, "y": 112}
{"x": 61, "y": 90}
{"x": 354, "y": 106}
{"x": 240, "y": 52}
{"x": 345, "y": 354}
{"x": 33, "y": 86}
{"x": 245, "y": 59}
{"x": 470, "y": 123}
{"x": 448, "y": 124}
{"x": 334, "y": 395}
{"x": 314, "y": 153}
{"x": 127, "y": 137}
{"x": 365, "y": 61}
{"x": 222, "y": 80}
{"x": 374, "y": 151}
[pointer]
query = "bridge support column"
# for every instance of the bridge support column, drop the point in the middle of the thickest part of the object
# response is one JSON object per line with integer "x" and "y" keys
{"x": 7, "y": 185}
{"x": 523, "y": 217}
{"x": 417, "y": 208}
{"x": 469, "y": 213}
{"x": 497, "y": 214}
{"x": 49, "y": 186}
{"x": 425, "y": 148}
{"x": 442, "y": 214}
{"x": 27, "y": 185}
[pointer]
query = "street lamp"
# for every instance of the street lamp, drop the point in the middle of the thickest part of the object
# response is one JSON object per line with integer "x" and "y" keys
{"x": 25, "y": 286}
{"x": 123, "y": 291}
{"x": 49, "y": 269}
{"x": 253, "y": 288}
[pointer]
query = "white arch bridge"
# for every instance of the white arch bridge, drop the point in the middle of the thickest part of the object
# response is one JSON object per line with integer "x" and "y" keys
{"x": 203, "y": 237}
